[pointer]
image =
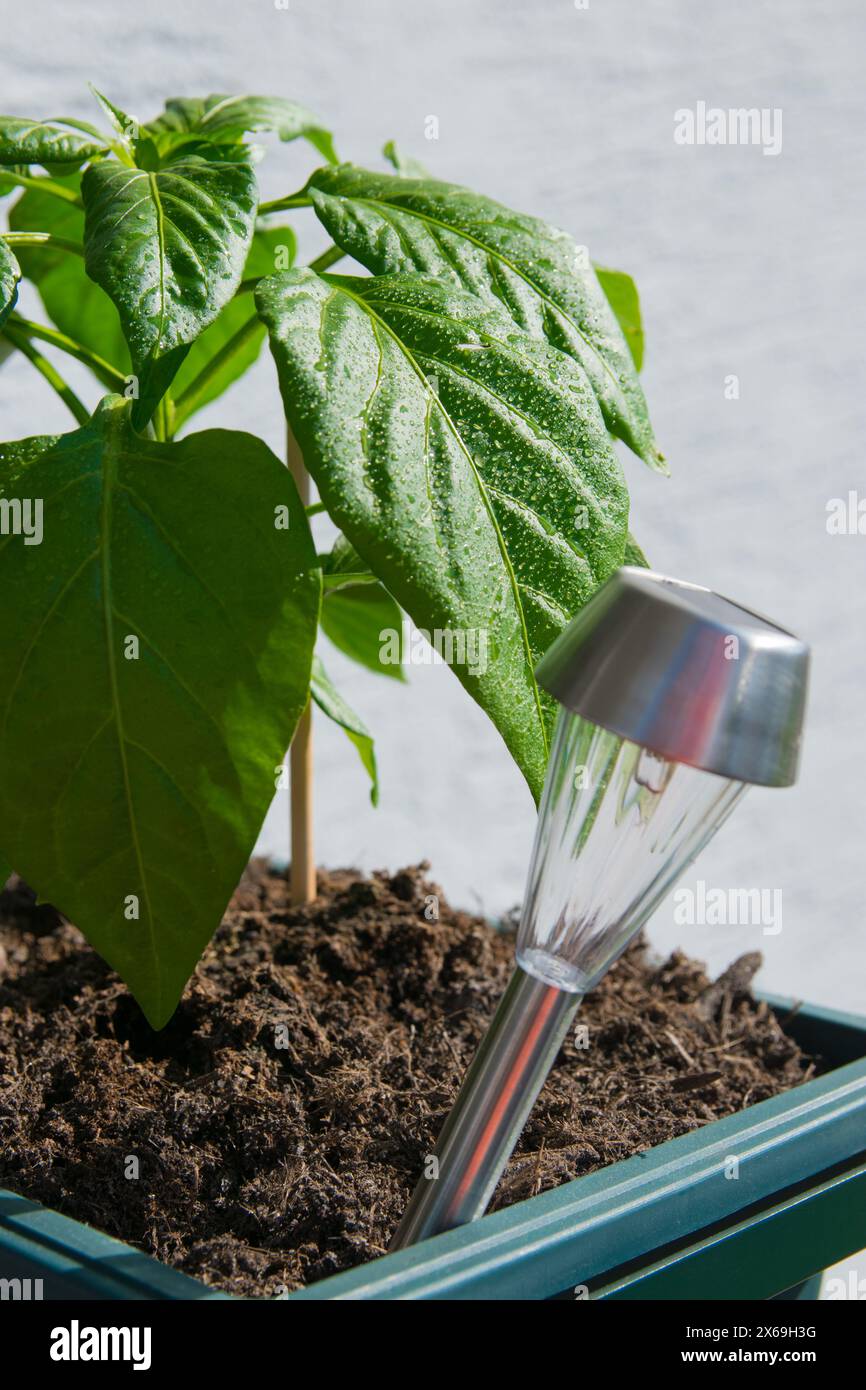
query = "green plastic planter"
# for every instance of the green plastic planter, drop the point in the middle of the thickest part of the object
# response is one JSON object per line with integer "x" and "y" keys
{"x": 671, "y": 1223}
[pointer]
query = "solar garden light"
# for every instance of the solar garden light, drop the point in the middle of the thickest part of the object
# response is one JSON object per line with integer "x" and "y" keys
{"x": 673, "y": 700}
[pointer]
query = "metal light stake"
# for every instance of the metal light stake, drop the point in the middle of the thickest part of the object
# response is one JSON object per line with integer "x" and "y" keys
{"x": 674, "y": 700}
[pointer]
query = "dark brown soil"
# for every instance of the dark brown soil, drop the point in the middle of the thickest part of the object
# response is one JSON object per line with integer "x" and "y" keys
{"x": 262, "y": 1165}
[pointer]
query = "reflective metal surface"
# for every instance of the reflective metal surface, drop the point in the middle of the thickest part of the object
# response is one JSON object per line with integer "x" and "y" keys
{"x": 686, "y": 673}
{"x": 499, "y": 1091}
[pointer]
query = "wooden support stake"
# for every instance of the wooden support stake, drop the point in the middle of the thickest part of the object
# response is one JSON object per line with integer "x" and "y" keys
{"x": 303, "y": 859}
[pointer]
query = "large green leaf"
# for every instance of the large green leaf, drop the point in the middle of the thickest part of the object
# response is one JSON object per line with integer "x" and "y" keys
{"x": 622, "y": 296}
{"x": 10, "y": 274}
{"x": 393, "y": 224}
{"x": 139, "y": 782}
{"x": 72, "y": 300}
{"x": 236, "y": 337}
{"x": 330, "y": 702}
{"x": 466, "y": 460}
{"x": 225, "y": 118}
{"x": 169, "y": 248}
{"x": 44, "y": 142}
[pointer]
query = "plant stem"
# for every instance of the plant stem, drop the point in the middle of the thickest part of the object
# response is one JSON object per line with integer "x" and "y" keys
{"x": 303, "y": 862}
{"x": 44, "y": 186}
{"x": 61, "y": 243}
{"x": 161, "y": 428}
{"x": 83, "y": 126}
{"x": 303, "y": 867}
{"x": 51, "y": 375}
{"x": 327, "y": 258}
{"x": 108, "y": 375}
{"x": 295, "y": 200}
{"x": 189, "y": 399}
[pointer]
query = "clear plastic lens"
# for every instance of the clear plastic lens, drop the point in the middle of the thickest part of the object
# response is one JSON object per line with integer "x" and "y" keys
{"x": 617, "y": 826}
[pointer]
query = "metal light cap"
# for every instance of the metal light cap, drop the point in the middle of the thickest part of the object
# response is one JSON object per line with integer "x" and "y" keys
{"x": 687, "y": 674}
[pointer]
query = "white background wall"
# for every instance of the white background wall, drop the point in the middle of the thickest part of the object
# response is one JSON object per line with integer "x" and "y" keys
{"x": 747, "y": 264}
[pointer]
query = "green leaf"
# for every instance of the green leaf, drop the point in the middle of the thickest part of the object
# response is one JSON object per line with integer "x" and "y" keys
{"x": 169, "y": 249}
{"x": 343, "y": 564}
{"x": 124, "y": 125}
{"x": 73, "y": 302}
{"x": 537, "y": 273}
{"x": 405, "y": 165}
{"x": 358, "y": 610}
{"x": 355, "y": 616}
{"x": 466, "y": 461}
{"x": 10, "y": 274}
{"x": 44, "y": 142}
{"x": 622, "y": 296}
{"x": 148, "y": 778}
{"x": 224, "y": 118}
{"x": 268, "y": 244}
{"x": 131, "y": 145}
{"x": 634, "y": 555}
{"x": 331, "y": 702}
{"x": 10, "y": 185}
{"x": 5, "y": 873}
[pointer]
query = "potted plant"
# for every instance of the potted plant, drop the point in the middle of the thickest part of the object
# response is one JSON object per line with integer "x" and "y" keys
{"x": 455, "y": 408}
